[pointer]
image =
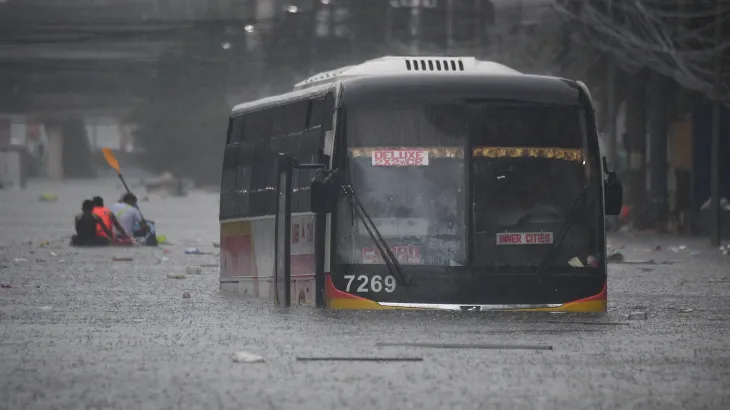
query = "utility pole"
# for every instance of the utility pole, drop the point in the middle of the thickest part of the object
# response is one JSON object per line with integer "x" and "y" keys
{"x": 611, "y": 102}
{"x": 415, "y": 27}
{"x": 449, "y": 26}
{"x": 715, "y": 161}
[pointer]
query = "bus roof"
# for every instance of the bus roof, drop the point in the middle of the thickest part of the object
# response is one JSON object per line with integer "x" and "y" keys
{"x": 414, "y": 66}
{"x": 393, "y": 78}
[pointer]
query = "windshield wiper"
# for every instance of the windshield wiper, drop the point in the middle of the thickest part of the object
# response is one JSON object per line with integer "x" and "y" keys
{"x": 390, "y": 260}
{"x": 563, "y": 232}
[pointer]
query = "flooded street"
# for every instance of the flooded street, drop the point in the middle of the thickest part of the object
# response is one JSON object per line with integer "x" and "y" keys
{"x": 80, "y": 330}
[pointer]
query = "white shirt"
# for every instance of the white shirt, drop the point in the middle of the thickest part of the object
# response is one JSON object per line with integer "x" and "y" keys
{"x": 127, "y": 216}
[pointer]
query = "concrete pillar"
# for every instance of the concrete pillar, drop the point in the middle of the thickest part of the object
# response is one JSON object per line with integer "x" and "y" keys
{"x": 54, "y": 158}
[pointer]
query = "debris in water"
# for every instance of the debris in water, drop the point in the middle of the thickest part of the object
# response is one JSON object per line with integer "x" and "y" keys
{"x": 5, "y": 286}
{"x": 44, "y": 244}
{"x": 186, "y": 295}
{"x": 45, "y": 308}
{"x": 216, "y": 244}
{"x": 637, "y": 316}
{"x": 53, "y": 254}
{"x": 194, "y": 270}
{"x": 210, "y": 265}
{"x": 658, "y": 248}
{"x": 20, "y": 260}
{"x": 470, "y": 346}
{"x": 687, "y": 310}
{"x": 179, "y": 276}
{"x": 193, "y": 251}
{"x": 360, "y": 359}
{"x": 615, "y": 257}
{"x": 246, "y": 357}
{"x": 48, "y": 198}
{"x": 122, "y": 259}
{"x": 682, "y": 247}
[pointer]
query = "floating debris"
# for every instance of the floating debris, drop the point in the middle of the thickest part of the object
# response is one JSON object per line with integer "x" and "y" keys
{"x": 20, "y": 260}
{"x": 122, "y": 259}
{"x": 637, "y": 316}
{"x": 470, "y": 346}
{"x": 53, "y": 254}
{"x": 194, "y": 270}
{"x": 565, "y": 322}
{"x": 193, "y": 251}
{"x": 246, "y": 357}
{"x": 5, "y": 286}
{"x": 48, "y": 198}
{"x": 360, "y": 359}
{"x": 216, "y": 244}
{"x": 186, "y": 295}
{"x": 615, "y": 257}
{"x": 179, "y": 276}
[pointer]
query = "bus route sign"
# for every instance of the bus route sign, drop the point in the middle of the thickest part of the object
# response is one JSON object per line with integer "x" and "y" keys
{"x": 400, "y": 158}
{"x": 524, "y": 238}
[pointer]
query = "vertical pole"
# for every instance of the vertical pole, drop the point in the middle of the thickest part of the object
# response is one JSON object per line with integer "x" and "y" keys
{"x": 415, "y": 27}
{"x": 282, "y": 233}
{"x": 611, "y": 102}
{"x": 449, "y": 26}
{"x": 715, "y": 161}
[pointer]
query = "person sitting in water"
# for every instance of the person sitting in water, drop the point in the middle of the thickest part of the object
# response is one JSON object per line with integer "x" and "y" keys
{"x": 86, "y": 228}
{"x": 109, "y": 221}
{"x": 129, "y": 215}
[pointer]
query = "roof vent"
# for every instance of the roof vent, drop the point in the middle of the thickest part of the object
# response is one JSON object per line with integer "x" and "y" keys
{"x": 434, "y": 64}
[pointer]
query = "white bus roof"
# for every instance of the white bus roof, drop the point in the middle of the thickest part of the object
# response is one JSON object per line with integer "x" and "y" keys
{"x": 319, "y": 84}
{"x": 390, "y": 65}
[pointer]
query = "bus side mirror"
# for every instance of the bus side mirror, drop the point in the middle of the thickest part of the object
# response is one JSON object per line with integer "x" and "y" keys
{"x": 613, "y": 194}
{"x": 323, "y": 192}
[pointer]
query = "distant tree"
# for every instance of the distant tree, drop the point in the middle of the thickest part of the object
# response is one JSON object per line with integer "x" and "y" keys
{"x": 676, "y": 38}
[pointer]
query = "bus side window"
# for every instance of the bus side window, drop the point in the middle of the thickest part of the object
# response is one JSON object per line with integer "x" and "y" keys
{"x": 235, "y": 130}
{"x": 291, "y": 118}
{"x": 263, "y": 162}
{"x": 328, "y": 111}
{"x": 228, "y": 183}
{"x": 243, "y": 180}
{"x": 315, "y": 113}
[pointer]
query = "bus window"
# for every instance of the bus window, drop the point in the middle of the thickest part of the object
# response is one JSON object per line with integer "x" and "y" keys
{"x": 243, "y": 181}
{"x": 258, "y": 125}
{"x": 235, "y": 130}
{"x": 528, "y": 172}
{"x": 228, "y": 183}
{"x": 328, "y": 111}
{"x": 290, "y": 118}
{"x": 315, "y": 113}
{"x": 516, "y": 125}
{"x": 418, "y": 206}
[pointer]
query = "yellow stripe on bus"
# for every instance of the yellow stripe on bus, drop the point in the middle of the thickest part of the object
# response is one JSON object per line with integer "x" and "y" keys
{"x": 566, "y": 154}
{"x": 235, "y": 228}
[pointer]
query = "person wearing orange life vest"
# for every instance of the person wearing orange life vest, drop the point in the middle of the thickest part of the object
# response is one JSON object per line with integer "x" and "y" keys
{"x": 108, "y": 219}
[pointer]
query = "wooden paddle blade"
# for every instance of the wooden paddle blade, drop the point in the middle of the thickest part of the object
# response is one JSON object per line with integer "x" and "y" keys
{"x": 111, "y": 159}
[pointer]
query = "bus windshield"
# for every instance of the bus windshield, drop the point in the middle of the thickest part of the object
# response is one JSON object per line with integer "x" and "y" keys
{"x": 528, "y": 171}
{"x": 406, "y": 162}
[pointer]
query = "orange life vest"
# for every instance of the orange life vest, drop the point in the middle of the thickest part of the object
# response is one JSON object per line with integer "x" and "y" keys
{"x": 105, "y": 215}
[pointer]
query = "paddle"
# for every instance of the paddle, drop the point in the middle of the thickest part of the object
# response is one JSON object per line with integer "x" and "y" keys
{"x": 112, "y": 161}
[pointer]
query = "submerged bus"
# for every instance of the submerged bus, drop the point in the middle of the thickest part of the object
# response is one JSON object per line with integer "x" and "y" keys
{"x": 419, "y": 183}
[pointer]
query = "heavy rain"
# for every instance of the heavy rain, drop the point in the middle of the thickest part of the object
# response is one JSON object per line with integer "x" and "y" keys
{"x": 364, "y": 204}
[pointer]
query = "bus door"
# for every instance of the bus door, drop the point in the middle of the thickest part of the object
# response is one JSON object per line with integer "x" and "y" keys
{"x": 287, "y": 166}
